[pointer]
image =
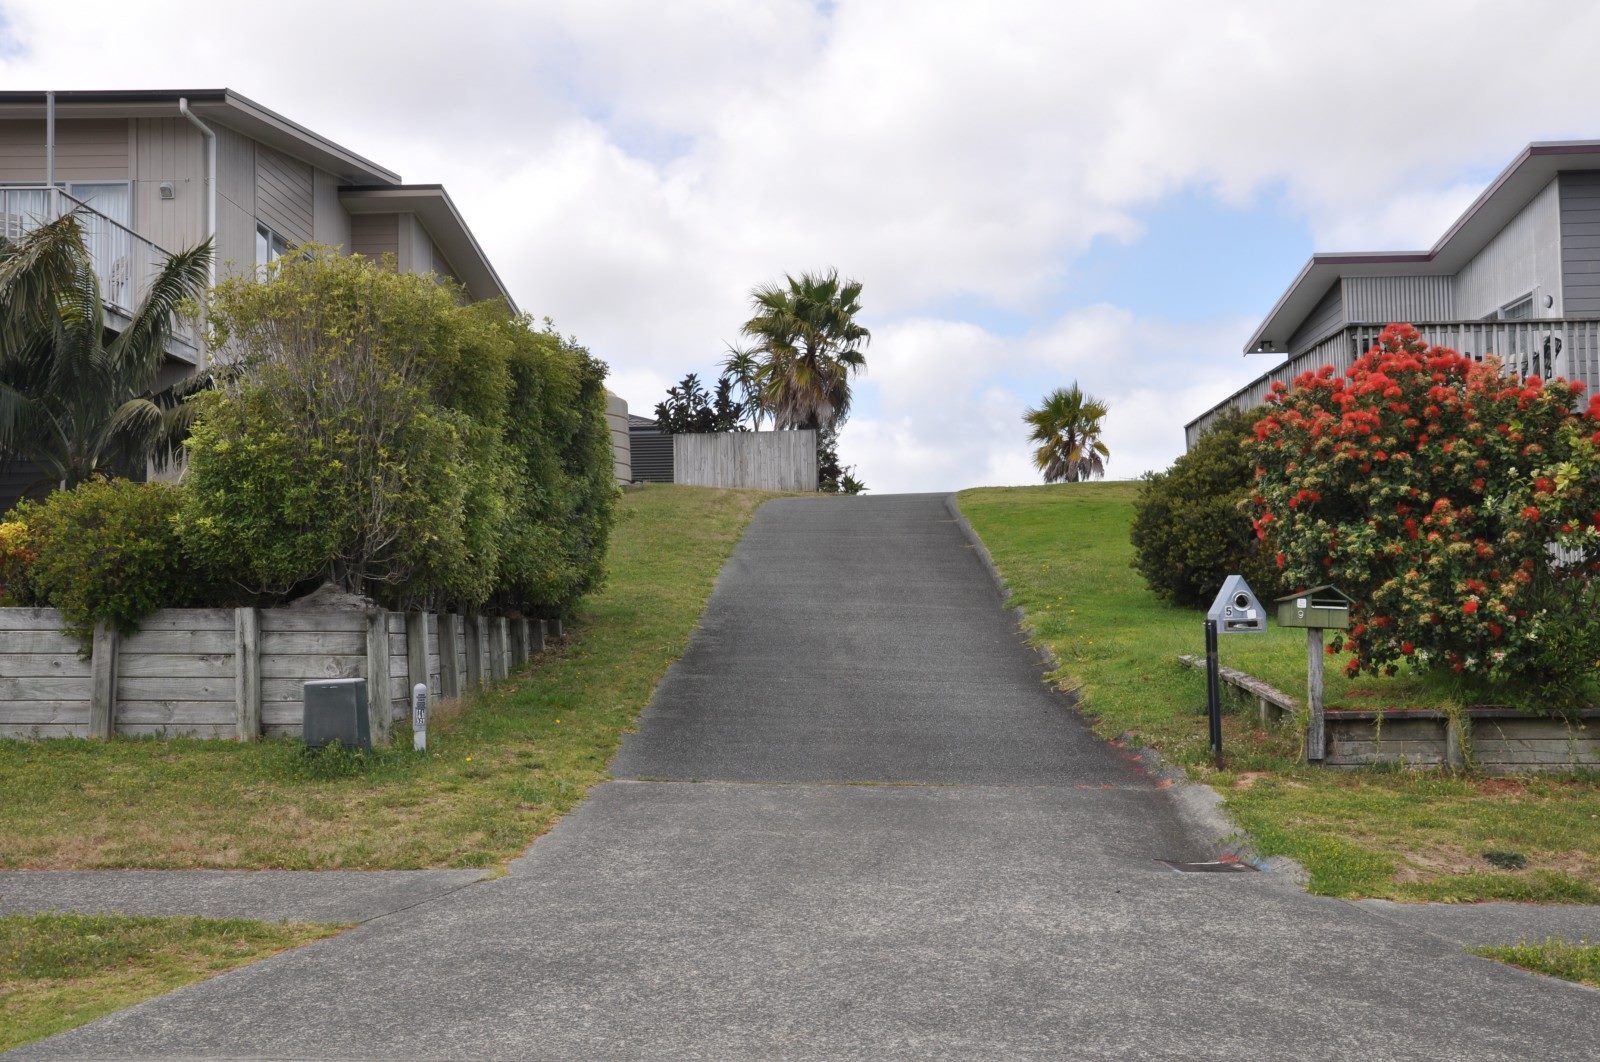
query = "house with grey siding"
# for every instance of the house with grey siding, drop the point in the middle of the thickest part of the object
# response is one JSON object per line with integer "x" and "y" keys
{"x": 158, "y": 171}
{"x": 1518, "y": 276}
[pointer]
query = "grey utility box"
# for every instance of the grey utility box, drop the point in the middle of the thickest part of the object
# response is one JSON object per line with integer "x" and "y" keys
{"x": 1236, "y": 610}
{"x": 1321, "y": 606}
{"x": 336, "y": 710}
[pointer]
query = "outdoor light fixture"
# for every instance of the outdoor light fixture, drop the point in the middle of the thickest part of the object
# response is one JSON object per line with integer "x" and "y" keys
{"x": 168, "y": 190}
{"x": 1264, "y": 346}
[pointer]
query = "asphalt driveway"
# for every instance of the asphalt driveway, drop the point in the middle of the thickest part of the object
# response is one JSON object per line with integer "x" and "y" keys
{"x": 854, "y": 823}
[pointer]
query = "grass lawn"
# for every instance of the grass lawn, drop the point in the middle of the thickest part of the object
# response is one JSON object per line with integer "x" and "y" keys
{"x": 1064, "y": 551}
{"x": 495, "y": 776}
{"x": 59, "y": 971}
{"x": 1557, "y": 958}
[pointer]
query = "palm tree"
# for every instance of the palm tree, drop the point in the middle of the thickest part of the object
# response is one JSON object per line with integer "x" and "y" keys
{"x": 806, "y": 333}
{"x": 1067, "y": 428}
{"x": 73, "y": 399}
{"x": 742, "y": 369}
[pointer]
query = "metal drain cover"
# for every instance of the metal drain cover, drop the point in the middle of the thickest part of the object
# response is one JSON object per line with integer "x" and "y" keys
{"x": 1220, "y": 866}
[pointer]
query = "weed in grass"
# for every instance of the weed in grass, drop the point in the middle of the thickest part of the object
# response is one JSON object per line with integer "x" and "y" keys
{"x": 1506, "y": 860}
{"x": 1555, "y": 958}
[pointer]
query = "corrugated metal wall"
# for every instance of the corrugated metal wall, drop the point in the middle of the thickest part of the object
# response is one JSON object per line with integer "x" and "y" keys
{"x": 650, "y": 454}
{"x": 1324, "y": 318}
{"x": 1386, "y": 300}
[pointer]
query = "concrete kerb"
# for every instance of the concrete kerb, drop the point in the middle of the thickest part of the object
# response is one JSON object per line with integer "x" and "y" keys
{"x": 1199, "y": 805}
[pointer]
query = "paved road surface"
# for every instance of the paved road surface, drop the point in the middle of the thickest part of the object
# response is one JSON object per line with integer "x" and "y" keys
{"x": 855, "y": 824}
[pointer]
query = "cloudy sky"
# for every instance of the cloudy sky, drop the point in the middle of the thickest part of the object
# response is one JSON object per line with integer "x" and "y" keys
{"x": 1032, "y": 192}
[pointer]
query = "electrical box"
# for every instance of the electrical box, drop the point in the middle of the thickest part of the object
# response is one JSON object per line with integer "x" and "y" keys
{"x": 1236, "y": 610}
{"x": 1326, "y": 607}
{"x": 336, "y": 710}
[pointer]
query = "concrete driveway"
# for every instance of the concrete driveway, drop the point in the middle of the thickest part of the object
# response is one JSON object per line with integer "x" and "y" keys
{"x": 853, "y": 824}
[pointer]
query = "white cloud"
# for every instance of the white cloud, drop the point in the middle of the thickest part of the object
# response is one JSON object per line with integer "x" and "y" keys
{"x": 634, "y": 168}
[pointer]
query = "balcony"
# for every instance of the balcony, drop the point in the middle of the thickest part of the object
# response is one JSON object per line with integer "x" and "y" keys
{"x": 1546, "y": 347}
{"x": 124, "y": 261}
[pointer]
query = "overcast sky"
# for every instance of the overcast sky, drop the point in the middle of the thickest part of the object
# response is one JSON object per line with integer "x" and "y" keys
{"x": 1032, "y": 192}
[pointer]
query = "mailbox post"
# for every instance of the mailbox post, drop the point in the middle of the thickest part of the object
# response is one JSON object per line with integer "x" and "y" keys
{"x": 1235, "y": 611}
{"x": 1317, "y": 609}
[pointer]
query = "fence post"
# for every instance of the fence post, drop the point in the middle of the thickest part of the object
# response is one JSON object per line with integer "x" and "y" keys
{"x": 555, "y": 627}
{"x": 497, "y": 648}
{"x": 449, "y": 646}
{"x": 247, "y": 672}
{"x": 417, "y": 650}
{"x": 474, "y": 641}
{"x": 536, "y": 636}
{"x": 103, "y": 682}
{"x": 379, "y": 711}
{"x": 523, "y": 652}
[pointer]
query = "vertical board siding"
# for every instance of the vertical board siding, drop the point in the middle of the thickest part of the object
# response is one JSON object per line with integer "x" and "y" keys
{"x": 763, "y": 460}
{"x": 44, "y": 678}
{"x": 169, "y": 149}
{"x": 1325, "y": 317}
{"x": 1383, "y": 300}
{"x": 375, "y": 235}
{"x": 285, "y": 194}
{"x": 87, "y": 149}
{"x": 1580, "y": 241}
{"x": 236, "y": 202}
{"x": 1523, "y": 257}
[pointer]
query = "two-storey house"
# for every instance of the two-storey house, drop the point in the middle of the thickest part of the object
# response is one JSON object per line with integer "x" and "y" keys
{"x": 1517, "y": 276}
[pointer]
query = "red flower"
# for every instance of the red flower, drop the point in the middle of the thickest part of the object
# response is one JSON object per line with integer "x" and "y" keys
{"x": 1470, "y": 608}
{"x": 1530, "y": 513}
{"x": 1407, "y": 648}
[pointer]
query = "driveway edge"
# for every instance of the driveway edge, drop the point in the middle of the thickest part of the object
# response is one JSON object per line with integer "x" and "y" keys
{"x": 1199, "y": 805}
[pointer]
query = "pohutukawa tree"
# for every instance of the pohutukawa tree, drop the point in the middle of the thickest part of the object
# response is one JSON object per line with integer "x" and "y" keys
{"x": 1067, "y": 427}
{"x": 1458, "y": 505}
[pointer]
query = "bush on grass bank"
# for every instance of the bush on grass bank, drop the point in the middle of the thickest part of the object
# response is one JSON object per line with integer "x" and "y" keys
{"x": 1190, "y": 529}
{"x": 373, "y": 430}
{"x": 1431, "y": 487}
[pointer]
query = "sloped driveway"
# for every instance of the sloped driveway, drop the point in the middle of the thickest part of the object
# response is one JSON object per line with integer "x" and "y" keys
{"x": 854, "y": 823}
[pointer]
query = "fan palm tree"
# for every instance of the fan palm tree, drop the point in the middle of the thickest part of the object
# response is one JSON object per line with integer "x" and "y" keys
{"x": 1067, "y": 428}
{"x": 810, "y": 345}
{"x": 743, "y": 370}
{"x": 74, "y": 399}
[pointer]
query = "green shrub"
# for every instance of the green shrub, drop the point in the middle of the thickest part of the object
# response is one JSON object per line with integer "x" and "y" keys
{"x": 1190, "y": 528}
{"x": 109, "y": 550}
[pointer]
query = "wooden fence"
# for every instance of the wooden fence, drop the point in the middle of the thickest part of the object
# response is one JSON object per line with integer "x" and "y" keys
{"x": 764, "y": 460}
{"x": 238, "y": 673}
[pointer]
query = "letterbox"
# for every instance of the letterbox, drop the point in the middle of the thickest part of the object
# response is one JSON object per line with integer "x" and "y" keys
{"x": 1326, "y": 607}
{"x": 336, "y": 710}
{"x": 1236, "y": 610}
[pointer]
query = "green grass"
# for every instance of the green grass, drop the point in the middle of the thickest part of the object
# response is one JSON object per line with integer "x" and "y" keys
{"x": 1554, "y": 958}
{"x": 1064, "y": 551}
{"x": 495, "y": 776}
{"x": 59, "y": 971}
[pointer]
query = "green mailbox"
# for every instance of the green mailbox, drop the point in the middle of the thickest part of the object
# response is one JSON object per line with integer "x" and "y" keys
{"x": 1324, "y": 607}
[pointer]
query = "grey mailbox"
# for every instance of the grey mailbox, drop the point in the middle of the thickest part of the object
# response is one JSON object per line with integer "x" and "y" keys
{"x": 1236, "y": 610}
{"x": 336, "y": 710}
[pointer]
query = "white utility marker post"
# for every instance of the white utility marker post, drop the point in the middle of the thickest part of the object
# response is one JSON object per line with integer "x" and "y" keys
{"x": 419, "y": 717}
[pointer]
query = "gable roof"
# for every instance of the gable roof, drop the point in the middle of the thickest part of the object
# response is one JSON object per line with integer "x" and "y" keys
{"x": 1534, "y": 168}
{"x": 437, "y": 211}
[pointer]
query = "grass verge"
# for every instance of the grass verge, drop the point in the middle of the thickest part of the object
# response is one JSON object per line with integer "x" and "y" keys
{"x": 496, "y": 775}
{"x": 59, "y": 971}
{"x": 1555, "y": 958}
{"x": 1064, "y": 551}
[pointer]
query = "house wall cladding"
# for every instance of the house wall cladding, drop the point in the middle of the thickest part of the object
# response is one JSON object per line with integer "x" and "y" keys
{"x": 1580, "y": 241}
{"x": 1523, "y": 258}
{"x": 237, "y": 673}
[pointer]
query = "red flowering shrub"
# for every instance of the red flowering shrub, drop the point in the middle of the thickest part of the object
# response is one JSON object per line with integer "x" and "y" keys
{"x": 1430, "y": 487}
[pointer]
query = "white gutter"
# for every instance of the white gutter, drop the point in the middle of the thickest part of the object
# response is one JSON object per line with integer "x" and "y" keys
{"x": 211, "y": 201}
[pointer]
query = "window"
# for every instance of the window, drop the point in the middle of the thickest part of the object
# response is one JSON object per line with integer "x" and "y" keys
{"x": 1518, "y": 310}
{"x": 269, "y": 245}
